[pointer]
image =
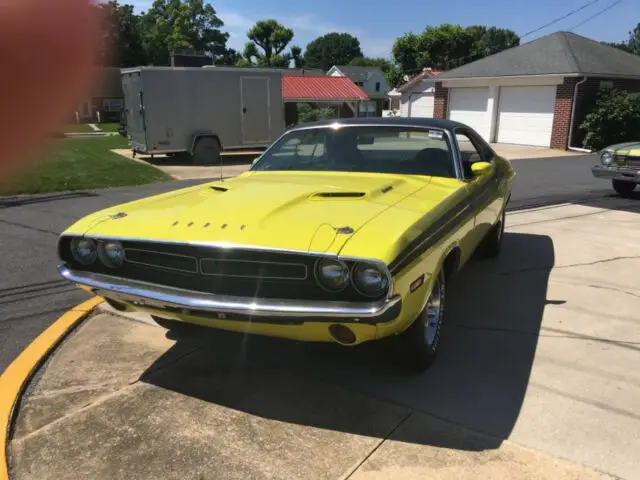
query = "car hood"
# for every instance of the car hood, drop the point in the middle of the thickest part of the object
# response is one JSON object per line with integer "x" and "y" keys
{"x": 311, "y": 211}
{"x": 628, "y": 148}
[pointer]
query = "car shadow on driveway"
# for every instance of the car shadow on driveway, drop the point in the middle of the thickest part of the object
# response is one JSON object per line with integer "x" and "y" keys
{"x": 479, "y": 381}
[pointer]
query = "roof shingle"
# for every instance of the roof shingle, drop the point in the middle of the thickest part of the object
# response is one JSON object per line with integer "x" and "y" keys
{"x": 320, "y": 88}
{"x": 555, "y": 54}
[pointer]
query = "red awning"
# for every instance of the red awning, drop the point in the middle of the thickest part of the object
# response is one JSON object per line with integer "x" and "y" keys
{"x": 320, "y": 88}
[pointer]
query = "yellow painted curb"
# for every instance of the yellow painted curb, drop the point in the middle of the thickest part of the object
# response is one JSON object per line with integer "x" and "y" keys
{"x": 15, "y": 377}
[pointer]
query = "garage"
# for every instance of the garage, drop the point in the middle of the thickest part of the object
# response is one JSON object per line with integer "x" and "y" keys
{"x": 525, "y": 115}
{"x": 469, "y": 106}
{"x": 421, "y": 105}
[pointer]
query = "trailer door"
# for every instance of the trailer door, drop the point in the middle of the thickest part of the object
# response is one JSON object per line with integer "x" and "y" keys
{"x": 256, "y": 110}
{"x": 134, "y": 110}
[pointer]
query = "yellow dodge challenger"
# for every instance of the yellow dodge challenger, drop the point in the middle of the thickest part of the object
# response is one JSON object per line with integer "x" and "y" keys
{"x": 342, "y": 231}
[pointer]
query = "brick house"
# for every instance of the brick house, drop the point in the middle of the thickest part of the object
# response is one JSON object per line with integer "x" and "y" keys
{"x": 105, "y": 98}
{"x": 536, "y": 93}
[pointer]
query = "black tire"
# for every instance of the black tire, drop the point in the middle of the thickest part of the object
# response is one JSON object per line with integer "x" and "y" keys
{"x": 417, "y": 346}
{"x": 622, "y": 188}
{"x": 492, "y": 243}
{"x": 206, "y": 151}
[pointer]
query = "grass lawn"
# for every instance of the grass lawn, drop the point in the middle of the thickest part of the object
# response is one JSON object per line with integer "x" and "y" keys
{"x": 108, "y": 127}
{"x": 81, "y": 164}
{"x": 77, "y": 128}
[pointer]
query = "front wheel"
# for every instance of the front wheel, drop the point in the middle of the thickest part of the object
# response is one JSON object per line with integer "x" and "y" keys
{"x": 492, "y": 243}
{"x": 418, "y": 345}
{"x": 622, "y": 188}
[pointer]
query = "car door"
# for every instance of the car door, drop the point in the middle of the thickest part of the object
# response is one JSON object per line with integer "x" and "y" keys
{"x": 482, "y": 189}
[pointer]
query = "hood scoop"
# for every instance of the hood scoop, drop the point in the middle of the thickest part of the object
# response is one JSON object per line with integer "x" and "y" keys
{"x": 218, "y": 188}
{"x": 339, "y": 195}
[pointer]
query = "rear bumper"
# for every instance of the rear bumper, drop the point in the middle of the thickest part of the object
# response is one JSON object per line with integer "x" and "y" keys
{"x": 616, "y": 173}
{"x": 224, "y": 307}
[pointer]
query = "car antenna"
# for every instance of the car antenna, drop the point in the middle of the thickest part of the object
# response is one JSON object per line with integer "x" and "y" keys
{"x": 221, "y": 179}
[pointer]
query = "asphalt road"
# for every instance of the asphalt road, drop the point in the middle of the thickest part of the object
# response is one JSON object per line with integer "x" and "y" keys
{"x": 32, "y": 295}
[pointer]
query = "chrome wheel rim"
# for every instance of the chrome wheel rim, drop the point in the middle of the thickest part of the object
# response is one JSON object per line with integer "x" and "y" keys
{"x": 433, "y": 313}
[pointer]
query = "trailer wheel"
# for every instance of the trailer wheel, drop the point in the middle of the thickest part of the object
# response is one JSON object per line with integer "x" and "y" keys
{"x": 206, "y": 151}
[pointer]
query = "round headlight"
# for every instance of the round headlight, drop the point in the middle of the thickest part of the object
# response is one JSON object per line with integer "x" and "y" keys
{"x": 84, "y": 250}
{"x": 369, "y": 279}
{"x": 332, "y": 274}
{"x": 607, "y": 157}
{"x": 111, "y": 253}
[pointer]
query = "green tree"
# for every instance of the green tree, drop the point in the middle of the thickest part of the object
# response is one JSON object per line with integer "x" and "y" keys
{"x": 613, "y": 118}
{"x": 634, "y": 40}
{"x": 229, "y": 57}
{"x": 172, "y": 24}
{"x": 631, "y": 45}
{"x": 407, "y": 52}
{"x": 268, "y": 40}
{"x": 382, "y": 63}
{"x": 332, "y": 49}
{"x": 448, "y": 46}
{"x": 491, "y": 40}
{"x": 297, "y": 57}
{"x": 310, "y": 113}
{"x": 624, "y": 46}
{"x": 121, "y": 36}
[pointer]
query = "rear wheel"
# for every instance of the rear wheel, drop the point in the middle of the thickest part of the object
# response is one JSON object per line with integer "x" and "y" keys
{"x": 206, "y": 151}
{"x": 622, "y": 188}
{"x": 418, "y": 345}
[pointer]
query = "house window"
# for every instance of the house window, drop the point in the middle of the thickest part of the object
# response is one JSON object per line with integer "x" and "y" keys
{"x": 367, "y": 109}
{"x": 112, "y": 104}
{"x": 377, "y": 86}
{"x": 606, "y": 84}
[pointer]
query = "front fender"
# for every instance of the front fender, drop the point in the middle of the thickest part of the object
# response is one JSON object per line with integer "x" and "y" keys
{"x": 413, "y": 302}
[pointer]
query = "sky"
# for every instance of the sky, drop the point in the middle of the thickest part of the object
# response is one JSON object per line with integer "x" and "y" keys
{"x": 378, "y": 23}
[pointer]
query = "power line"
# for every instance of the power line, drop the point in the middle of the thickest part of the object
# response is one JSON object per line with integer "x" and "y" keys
{"x": 597, "y": 14}
{"x": 579, "y": 9}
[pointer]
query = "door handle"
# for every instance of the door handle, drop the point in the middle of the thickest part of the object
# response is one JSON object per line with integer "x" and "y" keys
{"x": 244, "y": 109}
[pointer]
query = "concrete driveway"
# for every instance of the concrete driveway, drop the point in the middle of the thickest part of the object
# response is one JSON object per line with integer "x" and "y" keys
{"x": 538, "y": 379}
{"x": 521, "y": 152}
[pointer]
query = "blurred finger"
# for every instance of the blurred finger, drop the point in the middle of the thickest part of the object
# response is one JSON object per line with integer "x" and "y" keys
{"x": 47, "y": 49}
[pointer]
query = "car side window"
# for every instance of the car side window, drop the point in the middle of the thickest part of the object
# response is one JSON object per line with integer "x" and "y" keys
{"x": 470, "y": 152}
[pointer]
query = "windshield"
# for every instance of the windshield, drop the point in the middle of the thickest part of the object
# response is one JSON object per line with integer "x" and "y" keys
{"x": 399, "y": 150}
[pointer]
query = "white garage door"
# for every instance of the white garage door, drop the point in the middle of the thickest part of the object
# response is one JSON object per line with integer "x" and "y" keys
{"x": 525, "y": 115}
{"x": 469, "y": 106}
{"x": 421, "y": 105}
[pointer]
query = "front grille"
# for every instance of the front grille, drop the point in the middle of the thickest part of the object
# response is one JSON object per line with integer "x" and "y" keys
{"x": 224, "y": 271}
{"x": 633, "y": 162}
{"x": 169, "y": 261}
{"x": 253, "y": 269}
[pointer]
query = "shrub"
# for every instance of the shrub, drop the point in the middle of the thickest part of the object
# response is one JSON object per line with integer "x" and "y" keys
{"x": 613, "y": 118}
{"x": 308, "y": 113}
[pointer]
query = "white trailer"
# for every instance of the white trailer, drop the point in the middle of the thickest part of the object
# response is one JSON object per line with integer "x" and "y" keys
{"x": 201, "y": 111}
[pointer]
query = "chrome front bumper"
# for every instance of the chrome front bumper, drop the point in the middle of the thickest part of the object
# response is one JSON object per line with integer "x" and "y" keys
{"x": 616, "y": 173}
{"x": 225, "y": 307}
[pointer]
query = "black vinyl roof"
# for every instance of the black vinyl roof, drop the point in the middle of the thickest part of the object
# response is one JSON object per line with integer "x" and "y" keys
{"x": 386, "y": 121}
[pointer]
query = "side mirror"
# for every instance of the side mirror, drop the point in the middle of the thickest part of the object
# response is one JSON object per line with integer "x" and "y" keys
{"x": 480, "y": 168}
